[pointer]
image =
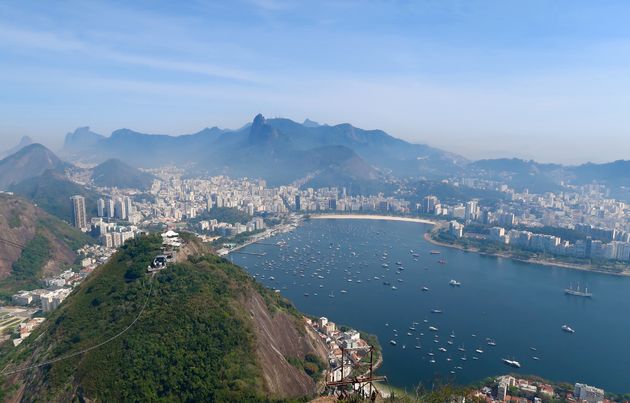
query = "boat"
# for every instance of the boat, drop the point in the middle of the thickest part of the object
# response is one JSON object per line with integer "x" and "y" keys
{"x": 511, "y": 363}
{"x": 425, "y": 288}
{"x": 577, "y": 292}
{"x": 392, "y": 342}
{"x": 386, "y": 283}
{"x": 491, "y": 342}
{"x": 454, "y": 283}
{"x": 442, "y": 349}
{"x": 435, "y": 252}
{"x": 436, "y": 311}
{"x": 332, "y": 294}
{"x": 433, "y": 328}
{"x": 394, "y": 287}
{"x": 461, "y": 348}
{"x": 567, "y": 329}
{"x": 343, "y": 291}
{"x": 479, "y": 351}
{"x": 452, "y": 334}
{"x": 442, "y": 261}
{"x": 535, "y": 358}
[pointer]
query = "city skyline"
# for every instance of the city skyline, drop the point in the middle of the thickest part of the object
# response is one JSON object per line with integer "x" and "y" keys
{"x": 484, "y": 80}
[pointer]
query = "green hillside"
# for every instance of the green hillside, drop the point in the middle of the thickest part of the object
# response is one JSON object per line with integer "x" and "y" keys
{"x": 115, "y": 173}
{"x": 51, "y": 192}
{"x": 194, "y": 341}
{"x": 33, "y": 240}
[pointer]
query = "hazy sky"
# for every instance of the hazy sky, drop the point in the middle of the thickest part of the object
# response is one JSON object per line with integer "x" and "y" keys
{"x": 548, "y": 80}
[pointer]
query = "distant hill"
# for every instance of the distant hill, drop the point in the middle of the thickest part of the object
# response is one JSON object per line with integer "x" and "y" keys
{"x": 29, "y": 162}
{"x": 540, "y": 178}
{"x": 80, "y": 142}
{"x": 51, "y": 191}
{"x": 280, "y": 150}
{"x": 115, "y": 173}
{"x": 33, "y": 244}
{"x": 24, "y": 141}
{"x": 521, "y": 174}
{"x": 205, "y": 331}
{"x": 613, "y": 173}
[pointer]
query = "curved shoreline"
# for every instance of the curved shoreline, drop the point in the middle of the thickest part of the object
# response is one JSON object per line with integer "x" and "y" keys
{"x": 562, "y": 265}
{"x": 428, "y": 238}
{"x": 371, "y": 217}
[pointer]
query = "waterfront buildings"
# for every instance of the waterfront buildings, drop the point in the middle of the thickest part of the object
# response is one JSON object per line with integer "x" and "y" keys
{"x": 588, "y": 394}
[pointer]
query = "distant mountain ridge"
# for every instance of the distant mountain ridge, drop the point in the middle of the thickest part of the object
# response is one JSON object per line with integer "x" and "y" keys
{"x": 540, "y": 177}
{"x": 24, "y": 141}
{"x": 271, "y": 145}
{"x": 28, "y": 162}
{"x": 283, "y": 151}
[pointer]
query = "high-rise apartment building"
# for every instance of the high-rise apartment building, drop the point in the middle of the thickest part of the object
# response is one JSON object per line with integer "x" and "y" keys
{"x": 78, "y": 212}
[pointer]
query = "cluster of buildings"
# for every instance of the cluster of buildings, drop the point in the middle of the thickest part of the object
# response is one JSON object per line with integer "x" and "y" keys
{"x": 56, "y": 289}
{"x": 604, "y": 222}
{"x": 589, "y": 248}
{"x": 117, "y": 207}
{"x": 110, "y": 234}
{"x": 227, "y": 229}
{"x": 508, "y": 388}
{"x": 344, "y": 347}
{"x": 335, "y": 199}
{"x": 175, "y": 198}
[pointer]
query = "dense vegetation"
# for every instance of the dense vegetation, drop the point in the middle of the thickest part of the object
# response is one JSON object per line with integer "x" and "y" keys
{"x": 47, "y": 238}
{"x": 193, "y": 342}
{"x": 312, "y": 365}
{"x": 26, "y": 271}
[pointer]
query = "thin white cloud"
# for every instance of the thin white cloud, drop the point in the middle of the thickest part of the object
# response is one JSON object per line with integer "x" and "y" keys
{"x": 21, "y": 39}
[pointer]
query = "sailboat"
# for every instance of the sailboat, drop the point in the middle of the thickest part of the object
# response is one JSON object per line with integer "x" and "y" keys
{"x": 577, "y": 291}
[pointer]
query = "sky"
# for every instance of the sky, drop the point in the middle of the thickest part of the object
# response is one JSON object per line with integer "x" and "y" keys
{"x": 543, "y": 80}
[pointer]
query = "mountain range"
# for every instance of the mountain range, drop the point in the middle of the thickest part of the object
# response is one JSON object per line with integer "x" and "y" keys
{"x": 280, "y": 150}
{"x": 283, "y": 151}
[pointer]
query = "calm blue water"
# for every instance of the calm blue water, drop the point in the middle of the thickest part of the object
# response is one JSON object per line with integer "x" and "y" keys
{"x": 518, "y": 305}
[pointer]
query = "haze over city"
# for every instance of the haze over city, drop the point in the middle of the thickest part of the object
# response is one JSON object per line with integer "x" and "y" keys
{"x": 482, "y": 79}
